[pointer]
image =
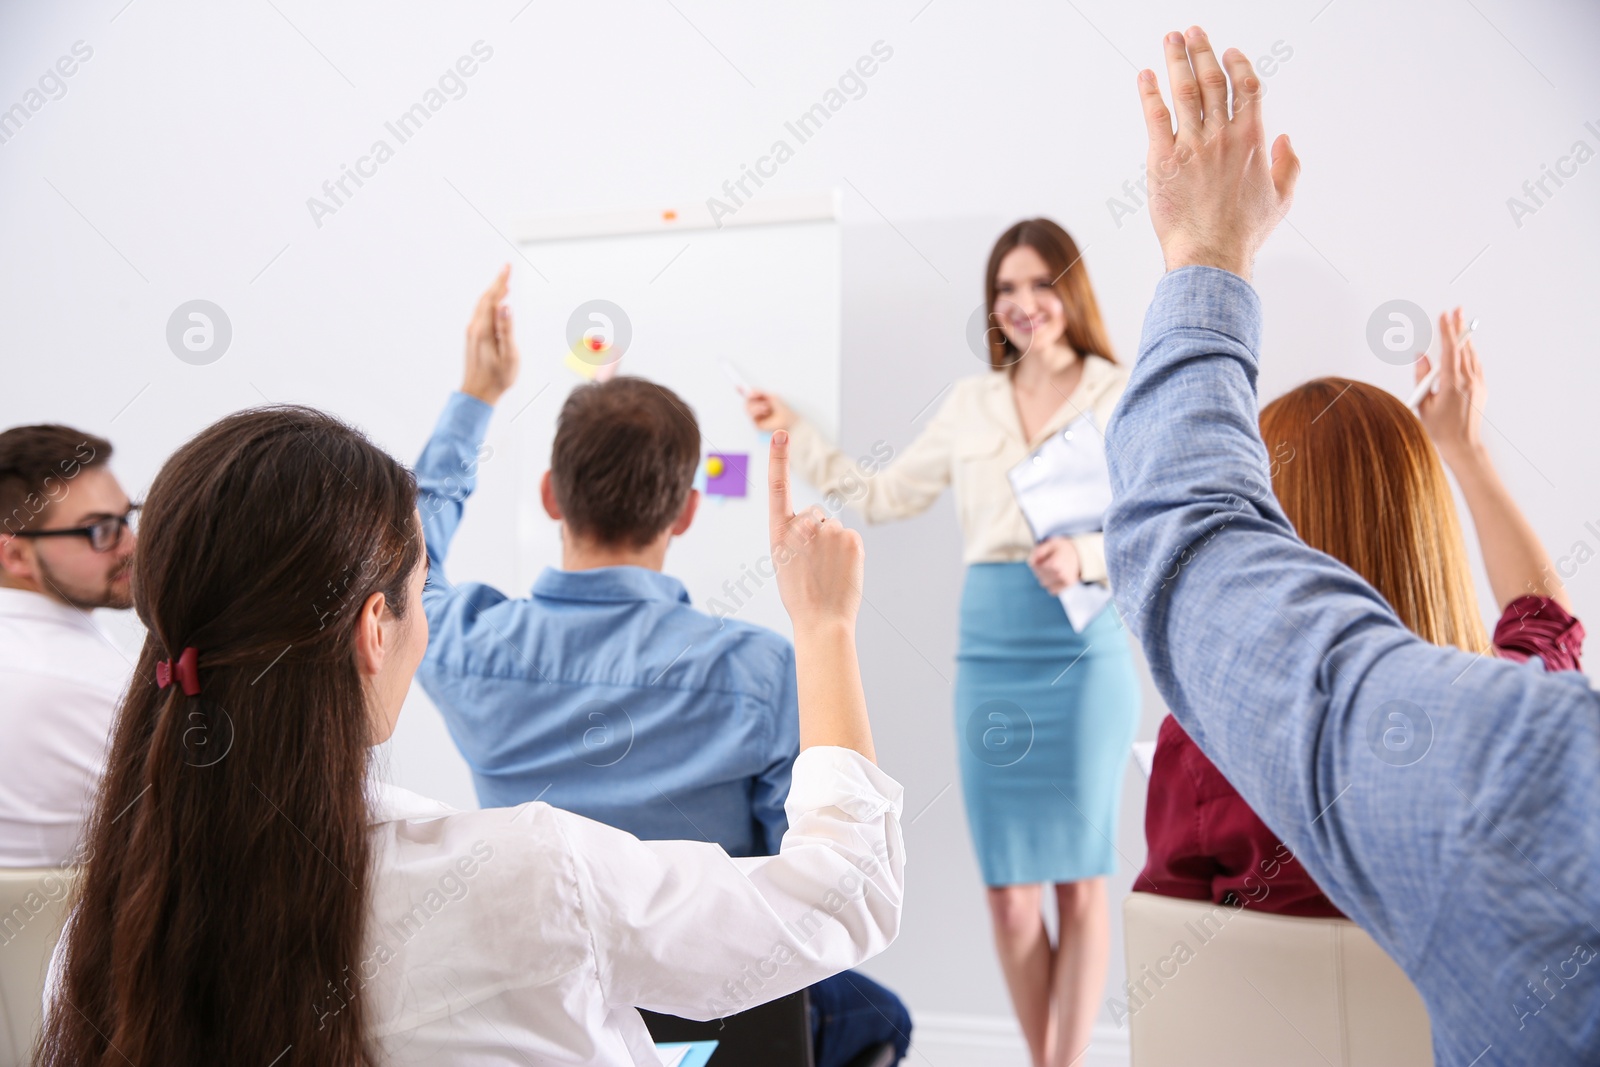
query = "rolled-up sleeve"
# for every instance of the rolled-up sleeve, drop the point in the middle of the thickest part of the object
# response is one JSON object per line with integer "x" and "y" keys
{"x": 1539, "y": 626}
{"x": 680, "y": 927}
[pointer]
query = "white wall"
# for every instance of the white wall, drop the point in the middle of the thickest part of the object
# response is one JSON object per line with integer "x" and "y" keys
{"x": 179, "y": 161}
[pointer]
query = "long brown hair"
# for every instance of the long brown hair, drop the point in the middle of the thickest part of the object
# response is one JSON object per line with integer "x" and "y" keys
{"x": 226, "y": 881}
{"x": 1086, "y": 332}
{"x": 1359, "y": 479}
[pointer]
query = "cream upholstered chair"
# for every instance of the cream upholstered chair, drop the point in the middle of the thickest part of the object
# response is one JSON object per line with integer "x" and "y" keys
{"x": 1210, "y": 984}
{"x": 33, "y": 904}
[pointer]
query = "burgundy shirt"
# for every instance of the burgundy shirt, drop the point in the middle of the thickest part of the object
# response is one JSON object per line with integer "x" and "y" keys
{"x": 1207, "y": 844}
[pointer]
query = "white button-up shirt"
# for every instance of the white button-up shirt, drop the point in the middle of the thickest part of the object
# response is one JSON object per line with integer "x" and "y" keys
{"x": 60, "y": 681}
{"x": 529, "y": 935}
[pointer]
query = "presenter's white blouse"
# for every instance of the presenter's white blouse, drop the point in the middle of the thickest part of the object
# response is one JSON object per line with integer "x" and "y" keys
{"x": 970, "y": 443}
{"x": 529, "y": 935}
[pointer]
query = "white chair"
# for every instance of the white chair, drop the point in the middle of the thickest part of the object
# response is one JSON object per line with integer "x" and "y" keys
{"x": 1211, "y": 984}
{"x": 33, "y": 904}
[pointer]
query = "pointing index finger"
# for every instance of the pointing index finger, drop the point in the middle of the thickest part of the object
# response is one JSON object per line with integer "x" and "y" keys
{"x": 778, "y": 500}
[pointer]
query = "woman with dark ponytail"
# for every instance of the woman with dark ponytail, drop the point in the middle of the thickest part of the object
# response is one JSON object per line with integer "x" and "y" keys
{"x": 250, "y": 896}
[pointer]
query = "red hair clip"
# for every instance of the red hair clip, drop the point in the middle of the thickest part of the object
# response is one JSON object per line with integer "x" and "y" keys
{"x": 186, "y": 668}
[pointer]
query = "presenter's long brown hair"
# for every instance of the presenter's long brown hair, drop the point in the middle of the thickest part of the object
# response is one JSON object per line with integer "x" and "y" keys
{"x": 225, "y": 887}
{"x": 1359, "y": 479}
{"x": 1086, "y": 331}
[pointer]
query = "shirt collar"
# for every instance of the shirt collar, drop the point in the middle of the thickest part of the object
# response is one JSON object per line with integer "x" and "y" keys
{"x": 609, "y": 585}
{"x": 1098, "y": 374}
{"x": 36, "y": 607}
{"x": 387, "y": 802}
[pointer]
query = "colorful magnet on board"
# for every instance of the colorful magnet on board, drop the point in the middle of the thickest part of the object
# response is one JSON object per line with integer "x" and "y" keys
{"x": 726, "y": 473}
{"x": 580, "y": 366}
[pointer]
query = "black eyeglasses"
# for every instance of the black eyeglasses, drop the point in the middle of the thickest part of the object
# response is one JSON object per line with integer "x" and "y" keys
{"x": 103, "y": 534}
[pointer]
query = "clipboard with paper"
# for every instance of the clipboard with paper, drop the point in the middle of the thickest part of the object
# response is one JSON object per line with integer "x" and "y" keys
{"x": 1064, "y": 489}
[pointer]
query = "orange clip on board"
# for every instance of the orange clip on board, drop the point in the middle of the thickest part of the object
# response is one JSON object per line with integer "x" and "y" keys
{"x": 591, "y": 360}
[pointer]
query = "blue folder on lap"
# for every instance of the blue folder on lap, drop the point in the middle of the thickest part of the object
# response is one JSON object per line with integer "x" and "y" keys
{"x": 686, "y": 1053}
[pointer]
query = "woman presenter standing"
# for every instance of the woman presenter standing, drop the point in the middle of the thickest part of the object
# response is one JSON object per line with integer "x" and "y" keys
{"x": 1045, "y": 714}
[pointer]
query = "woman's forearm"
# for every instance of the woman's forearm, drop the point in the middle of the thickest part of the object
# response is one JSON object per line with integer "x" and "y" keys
{"x": 1515, "y": 558}
{"x": 833, "y": 707}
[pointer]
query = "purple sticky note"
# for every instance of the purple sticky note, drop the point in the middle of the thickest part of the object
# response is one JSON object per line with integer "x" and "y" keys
{"x": 731, "y": 473}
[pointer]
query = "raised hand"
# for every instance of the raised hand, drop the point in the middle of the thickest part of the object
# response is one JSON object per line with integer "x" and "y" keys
{"x": 819, "y": 562}
{"x": 819, "y": 566}
{"x": 1214, "y": 195}
{"x": 768, "y": 411}
{"x": 1453, "y": 413}
{"x": 1516, "y": 560}
{"x": 492, "y": 360}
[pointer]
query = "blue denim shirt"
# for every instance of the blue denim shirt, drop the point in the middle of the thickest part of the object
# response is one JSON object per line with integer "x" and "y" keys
{"x": 1445, "y": 801}
{"x": 605, "y": 693}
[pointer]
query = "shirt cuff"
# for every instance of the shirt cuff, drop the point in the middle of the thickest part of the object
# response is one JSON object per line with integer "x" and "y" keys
{"x": 1539, "y": 626}
{"x": 1205, "y": 298}
{"x": 826, "y": 776}
{"x": 465, "y": 418}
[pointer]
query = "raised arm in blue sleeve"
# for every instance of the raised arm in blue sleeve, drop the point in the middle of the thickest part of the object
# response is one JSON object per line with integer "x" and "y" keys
{"x": 447, "y": 472}
{"x": 1445, "y": 801}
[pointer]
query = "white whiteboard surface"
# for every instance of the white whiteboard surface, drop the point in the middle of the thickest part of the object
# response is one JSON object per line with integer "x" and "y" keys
{"x": 764, "y": 297}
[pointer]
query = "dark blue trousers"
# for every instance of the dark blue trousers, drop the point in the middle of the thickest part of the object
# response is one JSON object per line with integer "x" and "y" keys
{"x": 851, "y": 1013}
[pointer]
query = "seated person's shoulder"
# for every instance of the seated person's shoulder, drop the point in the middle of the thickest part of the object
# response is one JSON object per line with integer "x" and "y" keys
{"x": 437, "y": 835}
{"x": 70, "y": 657}
{"x": 435, "y": 861}
{"x": 737, "y": 654}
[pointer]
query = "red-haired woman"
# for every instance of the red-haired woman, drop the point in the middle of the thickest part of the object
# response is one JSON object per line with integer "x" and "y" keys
{"x": 1045, "y": 714}
{"x": 1358, "y": 479}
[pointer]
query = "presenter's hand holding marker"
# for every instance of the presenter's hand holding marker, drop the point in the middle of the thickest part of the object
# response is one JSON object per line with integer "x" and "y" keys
{"x": 492, "y": 361}
{"x": 1056, "y": 564}
{"x": 1452, "y": 412}
{"x": 1214, "y": 195}
{"x": 819, "y": 566}
{"x": 1428, "y": 375}
{"x": 768, "y": 411}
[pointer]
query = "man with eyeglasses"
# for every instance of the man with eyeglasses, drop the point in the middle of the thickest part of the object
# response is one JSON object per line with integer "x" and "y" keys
{"x": 66, "y": 547}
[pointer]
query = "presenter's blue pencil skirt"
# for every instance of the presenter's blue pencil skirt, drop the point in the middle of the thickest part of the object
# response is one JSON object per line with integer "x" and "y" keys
{"x": 1045, "y": 717}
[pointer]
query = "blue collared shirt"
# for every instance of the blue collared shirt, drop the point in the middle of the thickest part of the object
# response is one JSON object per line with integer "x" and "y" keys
{"x": 1445, "y": 801}
{"x": 605, "y": 692}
